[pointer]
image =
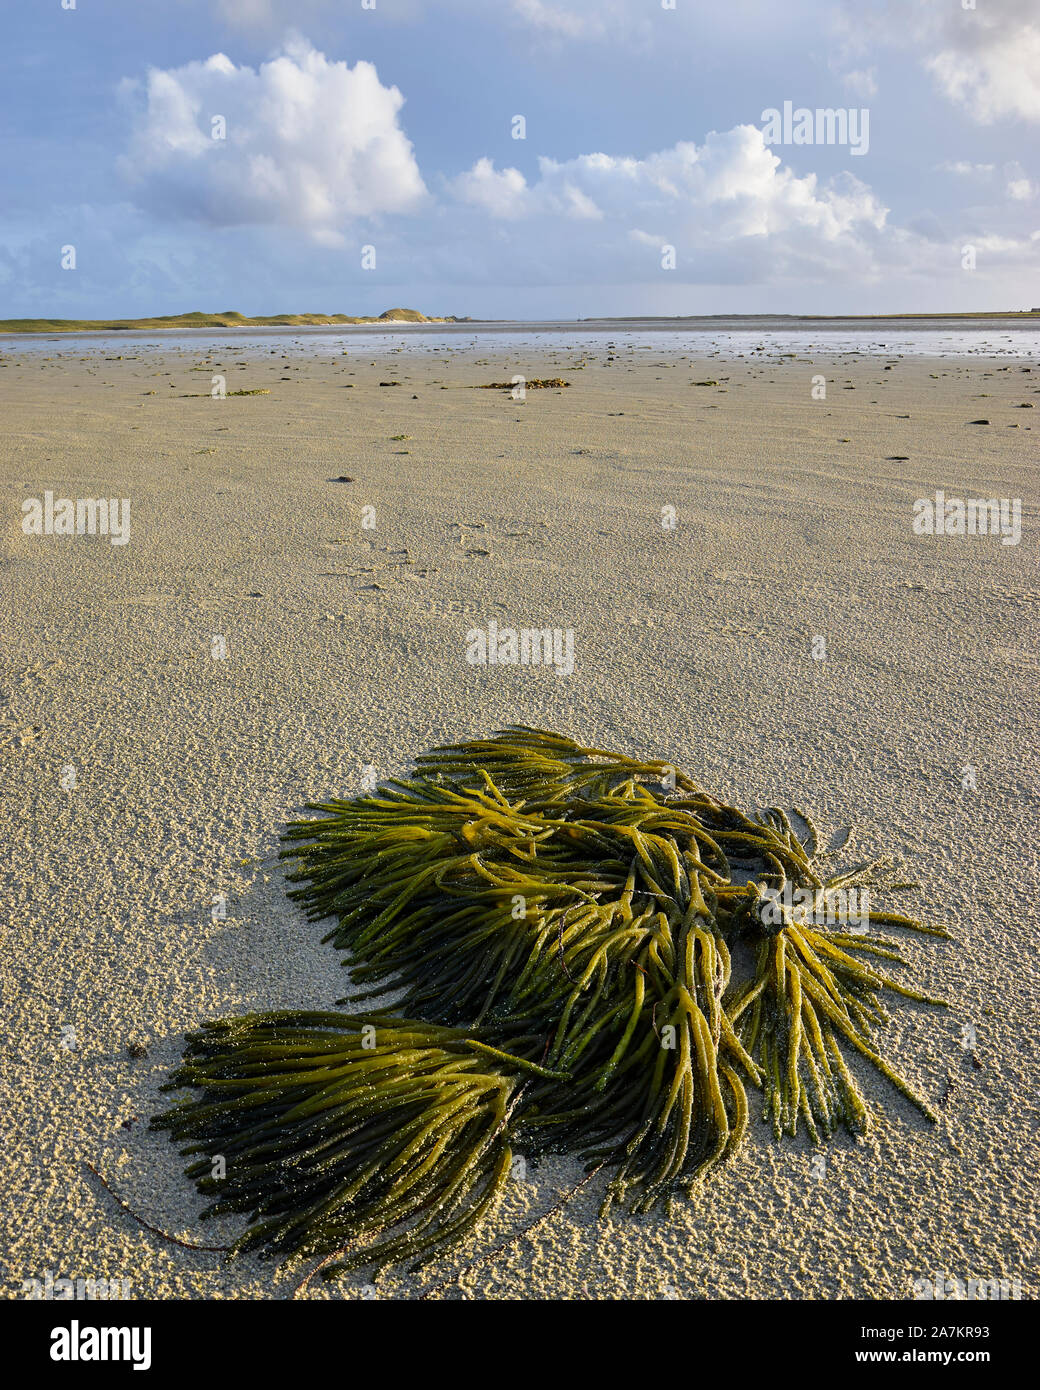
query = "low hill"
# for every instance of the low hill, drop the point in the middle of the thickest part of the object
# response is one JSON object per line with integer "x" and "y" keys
{"x": 198, "y": 318}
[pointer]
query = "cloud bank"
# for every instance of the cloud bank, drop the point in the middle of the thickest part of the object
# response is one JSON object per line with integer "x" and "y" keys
{"x": 317, "y": 146}
{"x": 315, "y": 163}
{"x": 728, "y": 208}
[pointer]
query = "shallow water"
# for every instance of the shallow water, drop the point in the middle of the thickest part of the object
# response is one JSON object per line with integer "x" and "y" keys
{"x": 763, "y": 337}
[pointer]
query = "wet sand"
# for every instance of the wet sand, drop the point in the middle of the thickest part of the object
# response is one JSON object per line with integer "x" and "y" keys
{"x": 346, "y": 648}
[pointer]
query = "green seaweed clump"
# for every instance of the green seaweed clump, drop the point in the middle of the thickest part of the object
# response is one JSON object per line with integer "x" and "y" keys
{"x": 592, "y": 955}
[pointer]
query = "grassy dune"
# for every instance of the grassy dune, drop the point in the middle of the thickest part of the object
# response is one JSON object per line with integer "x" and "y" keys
{"x": 230, "y": 318}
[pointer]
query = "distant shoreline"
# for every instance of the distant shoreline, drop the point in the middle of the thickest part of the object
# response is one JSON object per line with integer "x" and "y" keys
{"x": 411, "y": 319}
{"x": 973, "y": 314}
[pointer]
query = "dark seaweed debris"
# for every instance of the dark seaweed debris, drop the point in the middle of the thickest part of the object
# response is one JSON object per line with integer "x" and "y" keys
{"x": 534, "y": 384}
{"x": 586, "y": 968}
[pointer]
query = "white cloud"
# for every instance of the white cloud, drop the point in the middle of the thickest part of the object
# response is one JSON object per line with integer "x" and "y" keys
{"x": 502, "y": 193}
{"x": 728, "y": 206}
{"x": 1002, "y": 79}
{"x": 733, "y": 177}
{"x": 862, "y": 82}
{"x": 1021, "y": 190}
{"x": 986, "y": 59}
{"x": 963, "y": 167}
{"x": 564, "y": 23}
{"x": 310, "y": 144}
{"x": 989, "y": 59}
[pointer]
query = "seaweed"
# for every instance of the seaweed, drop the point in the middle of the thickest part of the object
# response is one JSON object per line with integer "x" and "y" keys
{"x": 593, "y": 955}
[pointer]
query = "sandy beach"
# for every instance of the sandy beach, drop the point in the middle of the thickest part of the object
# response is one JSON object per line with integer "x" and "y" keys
{"x": 291, "y": 608}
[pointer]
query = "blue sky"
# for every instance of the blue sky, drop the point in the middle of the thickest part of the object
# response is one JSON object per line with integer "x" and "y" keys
{"x": 644, "y": 183}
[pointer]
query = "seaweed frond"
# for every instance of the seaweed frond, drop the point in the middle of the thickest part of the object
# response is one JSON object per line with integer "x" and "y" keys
{"x": 595, "y": 956}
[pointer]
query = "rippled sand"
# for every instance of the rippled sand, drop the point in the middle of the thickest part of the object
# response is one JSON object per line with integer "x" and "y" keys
{"x": 345, "y": 648}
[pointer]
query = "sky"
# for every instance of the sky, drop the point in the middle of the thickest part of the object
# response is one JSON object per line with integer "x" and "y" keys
{"x": 519, "y": 159}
